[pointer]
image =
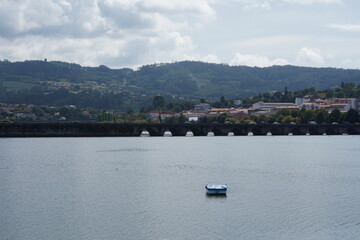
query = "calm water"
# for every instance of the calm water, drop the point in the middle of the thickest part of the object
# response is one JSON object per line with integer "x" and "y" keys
{"x": 153, "y": 188}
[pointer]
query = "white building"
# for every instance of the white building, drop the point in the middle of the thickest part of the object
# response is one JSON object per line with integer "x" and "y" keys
{"x": 301, "y": 101}
{"x": 343, "y": 104}
{"x": 193, "y": 115}
{"x": 270, "y": 106}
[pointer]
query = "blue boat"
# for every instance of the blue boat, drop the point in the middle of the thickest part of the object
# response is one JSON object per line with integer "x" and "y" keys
{"x": 216, "y": 189}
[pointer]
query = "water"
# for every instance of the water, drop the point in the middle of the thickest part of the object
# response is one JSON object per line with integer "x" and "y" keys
{"x": 290, "y": 187}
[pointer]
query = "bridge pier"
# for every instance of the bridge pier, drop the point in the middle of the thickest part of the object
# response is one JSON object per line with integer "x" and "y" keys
{"x": 220, "y": 131}
{"x": 259, "y": 131}
{"x": 177, "y": 132}
{"x": 156, "y": 131}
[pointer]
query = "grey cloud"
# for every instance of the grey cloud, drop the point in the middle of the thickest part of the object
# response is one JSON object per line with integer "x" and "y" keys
{"x": 125, "y": 17}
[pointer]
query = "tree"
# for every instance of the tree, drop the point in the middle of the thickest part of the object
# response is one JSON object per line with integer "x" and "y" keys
{"x": 182, "y": 118}
{"x": 222, "y": 117}
{"x": 321, "y": 116}
{"x": 288, "y": 119}
{"x": 223, "y": 101}
{"x": 277, "y": 96}
{"x": 158, "y": 101}
{"x": 334, "y": 116}
{"x": 37, "y": 111}
{"x": 286, "y": 91}
{"x": 307, "y": 116}
{"x": 352, "y": 116}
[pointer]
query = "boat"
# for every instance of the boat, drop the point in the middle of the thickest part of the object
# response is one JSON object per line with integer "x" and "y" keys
{"x": 216, "y": 189}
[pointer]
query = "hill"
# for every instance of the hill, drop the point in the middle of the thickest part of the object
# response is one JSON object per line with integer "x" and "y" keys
{"x": 57, "y": 83}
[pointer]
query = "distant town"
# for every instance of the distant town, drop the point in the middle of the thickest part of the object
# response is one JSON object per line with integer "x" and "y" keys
{"x": 262, "y": 109}
{"x": 313, "y": 108}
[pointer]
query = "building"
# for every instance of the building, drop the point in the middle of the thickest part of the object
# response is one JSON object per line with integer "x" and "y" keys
{"x": 160, "y": 114}
{"x": 343, "y": 104}
{"x": 237, "y": 102}
{"x": 301, "y": 101}
{"x": 270, "y": 106}
{"x": 193, "y": 115}
{"x": 202, "y": 106}
{"x": 306, "y": 99}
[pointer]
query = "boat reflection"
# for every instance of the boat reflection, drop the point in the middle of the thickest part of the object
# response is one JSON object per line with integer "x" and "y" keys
{"x": 213, "y": 196}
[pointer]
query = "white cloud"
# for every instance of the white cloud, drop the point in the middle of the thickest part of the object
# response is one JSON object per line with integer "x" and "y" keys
{"x": 248, "y": 5}
{"x": 256, "y": 60}
{"x": 345, "y": 27}
{"x": 309, "y": 57}
{"x": 211, "y": 58}
{"x": 308, "y": 2}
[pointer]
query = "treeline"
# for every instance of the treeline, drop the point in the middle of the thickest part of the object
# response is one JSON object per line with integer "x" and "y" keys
{"x": 303, "y": 116}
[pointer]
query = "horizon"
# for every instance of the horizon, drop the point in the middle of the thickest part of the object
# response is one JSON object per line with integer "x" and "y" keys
{"x": 168, "y": 63}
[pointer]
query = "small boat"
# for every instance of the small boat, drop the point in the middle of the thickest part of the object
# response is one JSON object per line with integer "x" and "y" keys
{"x": 215, "y": 189}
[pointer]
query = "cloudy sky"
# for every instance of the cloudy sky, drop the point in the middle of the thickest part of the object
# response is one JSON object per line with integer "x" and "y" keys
{"x": 131, "y": 33}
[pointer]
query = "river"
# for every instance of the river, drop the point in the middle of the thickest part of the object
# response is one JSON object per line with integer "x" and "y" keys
{"x": 290, "y": 187}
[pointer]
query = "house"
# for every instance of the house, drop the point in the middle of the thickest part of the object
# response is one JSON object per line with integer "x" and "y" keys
{"x": 160, "y": 114}
{"x": 193, "y": 115}
{"x": 237, "y": 102}
{"x": 202, "y": 106}
{"x": 25, "y": 115}
{"x": 306, "y": 99}
{"x": 239, "y": 115}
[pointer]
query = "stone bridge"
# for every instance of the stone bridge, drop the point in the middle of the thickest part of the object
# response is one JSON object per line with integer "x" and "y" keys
{"x": 137, "y": 129}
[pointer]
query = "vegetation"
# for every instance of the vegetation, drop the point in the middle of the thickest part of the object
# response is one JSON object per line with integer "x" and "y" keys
{"x": 300, "y": 117}
{"x": 127, "y": 90}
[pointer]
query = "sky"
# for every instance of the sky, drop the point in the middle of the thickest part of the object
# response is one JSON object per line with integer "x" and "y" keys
{"x": 132, "y": 33}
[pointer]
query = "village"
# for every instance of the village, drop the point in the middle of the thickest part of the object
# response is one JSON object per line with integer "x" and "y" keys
{"x": 308, "y": 102}
{"x": 30, "y": 112}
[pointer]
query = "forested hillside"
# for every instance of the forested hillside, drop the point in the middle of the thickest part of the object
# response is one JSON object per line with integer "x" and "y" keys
{"x": 58, "y": 83}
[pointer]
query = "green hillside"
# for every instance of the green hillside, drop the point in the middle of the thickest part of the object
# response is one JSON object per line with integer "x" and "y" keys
{"x": 57, "y": 83}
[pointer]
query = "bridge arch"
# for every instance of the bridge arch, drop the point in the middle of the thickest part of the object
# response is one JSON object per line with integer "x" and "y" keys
{"x": 189, "y": 133}
{"x": 168, "y": 133}
{"x": 144, "y": 133}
